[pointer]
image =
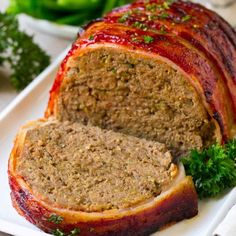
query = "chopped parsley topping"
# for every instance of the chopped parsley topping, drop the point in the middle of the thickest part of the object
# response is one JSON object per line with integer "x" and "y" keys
{"x": 91, "y": 37}
{"x": 140, "y": 25}
{"x": 164, "y": 6}
{"x": 163, "y": 30}
{"x": 124, "y": 17}
{"x": 55, "y": 219}
{"x": 152, "y": 7}
{"x": 135, "y": 39}
{"x": 152, "y": 17}
{"x": 170, "y": 2}
{"x": 74, "y": 232}
{"x": 163, "y": 15}
{"x": 114, "y": 70}
{"x": 186, "y": 18}
{"x": 148, "y": 39}
{"x": 136, "y": 11}
{"x": 58, "y": 232}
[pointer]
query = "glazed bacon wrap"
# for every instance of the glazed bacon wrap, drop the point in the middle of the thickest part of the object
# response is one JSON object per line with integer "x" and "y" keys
{"x": 189, "y": 37}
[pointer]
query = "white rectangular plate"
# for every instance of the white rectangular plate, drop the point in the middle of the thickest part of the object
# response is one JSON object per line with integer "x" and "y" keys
{"x": 30, "y": 105}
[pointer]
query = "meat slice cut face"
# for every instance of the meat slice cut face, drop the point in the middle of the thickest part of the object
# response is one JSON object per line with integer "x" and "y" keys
{"x": 101, "y": 170}
{"x": 93, "y": 178}
{"x": 135, "y": 94}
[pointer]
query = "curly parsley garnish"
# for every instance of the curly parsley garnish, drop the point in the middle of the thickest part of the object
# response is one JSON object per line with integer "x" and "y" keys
{"x": 213, "y": 169}
{"x": 230, "y": 149}
{"x": 18, "y": 50}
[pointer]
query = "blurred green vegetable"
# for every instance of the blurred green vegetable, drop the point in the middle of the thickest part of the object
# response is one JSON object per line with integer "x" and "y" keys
{"x": 72, "y": 12}
{"x": 17, "y": 49}
{"x": 78, "y": 5}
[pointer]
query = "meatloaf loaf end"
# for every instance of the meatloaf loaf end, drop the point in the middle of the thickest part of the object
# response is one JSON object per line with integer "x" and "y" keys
{"x": 95, "y": 179}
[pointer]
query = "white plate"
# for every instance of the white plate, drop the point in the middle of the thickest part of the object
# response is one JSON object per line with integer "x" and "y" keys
{"x": 30, "y": 105}
{"x": 58, "y": 30}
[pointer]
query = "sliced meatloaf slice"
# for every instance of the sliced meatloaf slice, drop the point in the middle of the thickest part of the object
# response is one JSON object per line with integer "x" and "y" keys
{"x": 98, "y": 181}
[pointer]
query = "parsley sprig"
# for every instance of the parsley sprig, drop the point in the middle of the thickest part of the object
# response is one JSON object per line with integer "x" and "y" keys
{"x": 18, "y": 50}
{"x": 148, "y": 39}
{"x": 58, "y": 232}
{"x": 55, "y": 219}
{"x": 213, "y": 169}
{"x": 74, "y": 232}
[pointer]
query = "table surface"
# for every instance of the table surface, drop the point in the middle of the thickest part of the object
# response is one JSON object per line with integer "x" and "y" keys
{"x": 7, "y": 93}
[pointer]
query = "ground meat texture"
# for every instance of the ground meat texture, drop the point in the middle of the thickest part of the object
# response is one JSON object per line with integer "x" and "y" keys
{"x": 136, "y": 95}
{"x": 97, "y": 169}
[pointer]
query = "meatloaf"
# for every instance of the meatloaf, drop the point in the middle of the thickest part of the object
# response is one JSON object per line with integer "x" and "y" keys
{"x": 160, "y": 70}
{"x": 94, "y": 179}
{"x": 151, "y": 72}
